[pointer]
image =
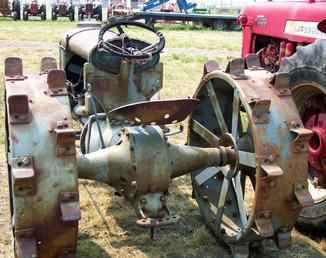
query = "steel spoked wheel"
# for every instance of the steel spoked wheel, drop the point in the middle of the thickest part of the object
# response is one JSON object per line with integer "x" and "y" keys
{"x": 220, "y": 191}
{"x": 262, "y": 195}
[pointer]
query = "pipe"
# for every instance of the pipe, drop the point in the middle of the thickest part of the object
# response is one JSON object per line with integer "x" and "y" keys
{"x": 111, "y": 164}
{"x": 94, "y": 165}
{"x": 185, "y": 159}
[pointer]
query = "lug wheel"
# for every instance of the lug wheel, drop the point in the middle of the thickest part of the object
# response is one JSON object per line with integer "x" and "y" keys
{"x": 220, "y": 191}
{"x": 242, "y": 110}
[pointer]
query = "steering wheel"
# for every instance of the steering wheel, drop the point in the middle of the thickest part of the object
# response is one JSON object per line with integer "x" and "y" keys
{"x": 127, "y": 47}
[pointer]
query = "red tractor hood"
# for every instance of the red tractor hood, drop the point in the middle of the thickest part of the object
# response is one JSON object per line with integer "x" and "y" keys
{"x": 294, "y": 21}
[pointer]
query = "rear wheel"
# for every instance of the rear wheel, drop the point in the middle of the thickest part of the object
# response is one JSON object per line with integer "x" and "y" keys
{"x": 307, "y": 74}
{"x": 255, "y": 199}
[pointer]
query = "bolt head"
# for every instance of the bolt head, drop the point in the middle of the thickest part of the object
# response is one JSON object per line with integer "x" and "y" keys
{"x": 26, "y": 161}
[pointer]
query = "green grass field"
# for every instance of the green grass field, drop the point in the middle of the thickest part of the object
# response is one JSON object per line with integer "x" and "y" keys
{"x": 107, "y": 227}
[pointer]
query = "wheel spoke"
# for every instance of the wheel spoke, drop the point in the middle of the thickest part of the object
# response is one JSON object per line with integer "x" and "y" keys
{"x": 122, "y": 50}
{"x": 205, "y": 175}
{"x": 204, "y": 133}
{"x": 235, "y": 114}
{"x": 240, "y": 200}
{"x": 121, "y": 31}
{"x": 148, "y": 49}
{"x": 247, "y": 159}
{"x": 217, "y": 108}
{"x": 221, "y": 200}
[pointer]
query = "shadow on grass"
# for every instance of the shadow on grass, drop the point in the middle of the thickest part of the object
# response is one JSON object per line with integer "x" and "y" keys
{"x": 88, "y": 248}
{"x": 187, "y": 238}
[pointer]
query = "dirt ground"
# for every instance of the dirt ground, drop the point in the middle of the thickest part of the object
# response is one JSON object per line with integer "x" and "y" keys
{"x": 107, "y": 227}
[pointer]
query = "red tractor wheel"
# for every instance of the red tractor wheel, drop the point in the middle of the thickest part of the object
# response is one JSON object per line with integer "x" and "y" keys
{"x": 307, "y": 71}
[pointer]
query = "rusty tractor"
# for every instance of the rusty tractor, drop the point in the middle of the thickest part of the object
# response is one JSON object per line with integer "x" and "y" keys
{"x": 244, "y": 133}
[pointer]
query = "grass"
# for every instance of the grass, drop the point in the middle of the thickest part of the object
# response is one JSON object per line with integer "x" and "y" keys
{"x": 189, "y": 38}
{"x": 107, "y": 228}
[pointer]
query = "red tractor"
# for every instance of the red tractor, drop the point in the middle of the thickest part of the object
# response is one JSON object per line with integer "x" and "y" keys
{"x": 90, "y": 10}
{"x": 284, "y": 37}
{"x": 34, "y": 9}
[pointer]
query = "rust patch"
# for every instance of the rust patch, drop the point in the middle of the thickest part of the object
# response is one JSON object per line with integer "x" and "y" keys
{"x": 18, "y": 107}
{"x": 283, "y": 238}
{"x": 69, "y": 207}
{"x": 24, "y": 176}
{"x": 301, "y": 140}
{"x": 281, "y": 83}
{"x": 252, "y": 61}
{"x": 260, "y": 110}
{"x": 65, "y": 139}
{"x": 57, "y": 82}
{"x": 264, "y": 223}
{"x": 47, "y": 64}
{"x": 14, "y": 68}
{"x": 161, "y": 112}
{"x": 210, "y": 66}
{"x": 303, "y": 196}
{"x": 160, "y": 222}
{"x": 236, "y": 69}
{"x": 272, "y": 170}
{"x": 26, "y": 243}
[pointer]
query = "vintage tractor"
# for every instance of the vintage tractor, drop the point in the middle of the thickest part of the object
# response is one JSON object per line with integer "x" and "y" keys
{"x": 246, "y": 149}
{"x": 90, "y": 10}
{"x": 34, "y": 9}
{"x": 119, "y": 9}
{"x": 63, "y": 9}
{"x": 287, "y": 44}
